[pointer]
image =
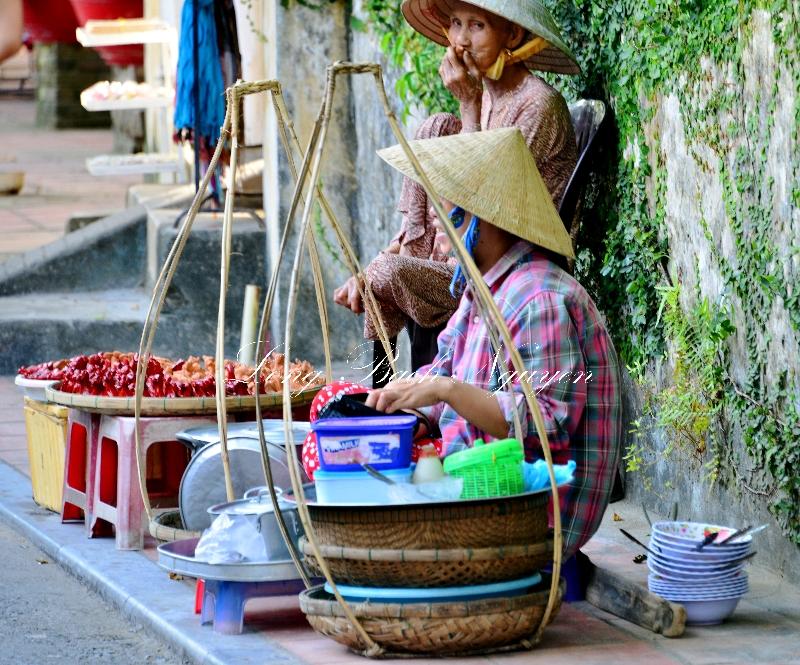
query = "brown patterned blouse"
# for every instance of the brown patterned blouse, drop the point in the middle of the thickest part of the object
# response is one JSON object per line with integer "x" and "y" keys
{"x": 414, "y": 284}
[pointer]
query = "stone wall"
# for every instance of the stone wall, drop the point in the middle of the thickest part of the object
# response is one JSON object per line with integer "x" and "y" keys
{"x": 306, "y": 42}
{"x": 362, "y": 190}
{"x": 691, "y": 184}
{"x": 705, "y": 236}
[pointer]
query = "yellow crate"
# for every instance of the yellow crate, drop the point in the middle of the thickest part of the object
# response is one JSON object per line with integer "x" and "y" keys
{"x": 46, "y": 425}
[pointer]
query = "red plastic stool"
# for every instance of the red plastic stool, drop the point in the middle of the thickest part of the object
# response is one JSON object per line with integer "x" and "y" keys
{"x": 116, "y": 498}
{"x": 199, "y": 592}
{"x": 79, "y": 462}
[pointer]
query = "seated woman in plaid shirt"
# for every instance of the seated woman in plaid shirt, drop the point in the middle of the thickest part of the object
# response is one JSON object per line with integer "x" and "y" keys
{"x": 514, "y": 234}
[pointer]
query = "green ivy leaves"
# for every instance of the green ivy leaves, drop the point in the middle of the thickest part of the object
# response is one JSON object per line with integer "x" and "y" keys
{"x": 632, "y": 53}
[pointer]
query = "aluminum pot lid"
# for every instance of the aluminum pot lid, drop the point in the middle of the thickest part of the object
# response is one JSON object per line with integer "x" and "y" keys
{"x": 257, "y": 506}
{"x": 203, "y": 482}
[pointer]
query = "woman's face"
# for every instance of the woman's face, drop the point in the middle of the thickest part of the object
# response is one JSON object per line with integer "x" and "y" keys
{"x": 481, "y": 33}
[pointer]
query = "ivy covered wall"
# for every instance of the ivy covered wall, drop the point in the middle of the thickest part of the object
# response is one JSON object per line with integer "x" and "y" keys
{"x": 699, "y": 257}
{"x": 691, "y": 238}
{"x": 691, "y": 244}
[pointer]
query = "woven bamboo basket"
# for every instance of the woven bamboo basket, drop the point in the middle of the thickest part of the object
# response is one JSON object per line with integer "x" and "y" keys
{"x": 499, "y": 522}
{"x": 429, "y": 568}
{"x": 377, "y": 630}
{"x": 446, "y": 629}
{"x": 167, "y": 526}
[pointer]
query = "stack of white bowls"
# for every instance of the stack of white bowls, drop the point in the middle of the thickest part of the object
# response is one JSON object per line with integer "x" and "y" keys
{"x": 708, "y": 582}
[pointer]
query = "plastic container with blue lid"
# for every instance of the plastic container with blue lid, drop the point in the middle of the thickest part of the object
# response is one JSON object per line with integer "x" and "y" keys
{"x": 384, "y": 442}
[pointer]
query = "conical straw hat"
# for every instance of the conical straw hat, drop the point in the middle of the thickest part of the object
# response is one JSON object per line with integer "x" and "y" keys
{"x": 493, "y": 175}
{"x": 429, "y": 16}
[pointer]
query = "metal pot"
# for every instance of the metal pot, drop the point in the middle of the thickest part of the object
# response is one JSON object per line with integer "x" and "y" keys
{"x": 260, "y": 509}
{"x": 203, "y": 482}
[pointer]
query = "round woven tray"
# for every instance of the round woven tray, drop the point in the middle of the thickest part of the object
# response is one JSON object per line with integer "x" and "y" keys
{"x": 461, "y": 628}
{"x": 168, "y": 526}
{"x": 503, "y": 521}
{"x": 429, "y": 568}
{"x": 172, "y": 406}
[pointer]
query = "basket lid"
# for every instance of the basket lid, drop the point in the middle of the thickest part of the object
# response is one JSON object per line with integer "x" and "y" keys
{"x": 504, "y": 451}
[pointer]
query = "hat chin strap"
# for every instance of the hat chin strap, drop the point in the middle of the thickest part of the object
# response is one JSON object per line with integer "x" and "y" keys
{"x": 508, "y": 57}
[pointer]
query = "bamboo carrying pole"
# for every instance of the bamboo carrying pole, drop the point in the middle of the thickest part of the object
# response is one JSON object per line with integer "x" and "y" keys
{"x": 495, "y": 320}
{"x": 309, "y": 185}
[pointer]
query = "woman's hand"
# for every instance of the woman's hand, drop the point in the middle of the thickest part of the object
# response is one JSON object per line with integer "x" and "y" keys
{"x": 410, "y": 393}
{"x": 478, "y": 407}
{"x": 348, "y": 295}
{"x": 464, "y": 80}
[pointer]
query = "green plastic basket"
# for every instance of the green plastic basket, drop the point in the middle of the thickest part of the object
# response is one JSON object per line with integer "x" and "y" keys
{"x": 493, "y": 469}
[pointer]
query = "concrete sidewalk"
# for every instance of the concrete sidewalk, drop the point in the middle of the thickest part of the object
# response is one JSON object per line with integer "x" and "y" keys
{"x": 57, "y": 183}
{"x": 765, "y": 628}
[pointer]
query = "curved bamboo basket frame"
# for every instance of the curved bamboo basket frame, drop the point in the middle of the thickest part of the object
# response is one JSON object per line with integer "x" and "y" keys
{"x": 308, "y": 186}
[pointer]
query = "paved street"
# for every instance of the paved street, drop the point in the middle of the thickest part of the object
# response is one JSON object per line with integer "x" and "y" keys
{"x": 48, "y": 616}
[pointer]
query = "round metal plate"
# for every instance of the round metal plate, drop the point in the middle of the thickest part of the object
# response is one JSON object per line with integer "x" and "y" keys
{"x": 178, "y": 557}
{"x": 311, "y": 500}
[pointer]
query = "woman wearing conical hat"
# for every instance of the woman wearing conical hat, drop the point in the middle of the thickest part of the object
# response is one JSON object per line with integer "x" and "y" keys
{"x": 514, "y": 235}
{"x": 492, "y": 46}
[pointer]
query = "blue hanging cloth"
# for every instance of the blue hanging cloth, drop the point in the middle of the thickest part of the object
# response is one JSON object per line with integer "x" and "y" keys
{"x": 212, "y": 88}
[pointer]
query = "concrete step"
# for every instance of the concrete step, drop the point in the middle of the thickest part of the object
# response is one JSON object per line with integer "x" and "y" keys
{"x": 39, "y": 327}
{"x": 108, "y": 253}
{"x": 47, "y": 326}
{"x": 90, "y": 291}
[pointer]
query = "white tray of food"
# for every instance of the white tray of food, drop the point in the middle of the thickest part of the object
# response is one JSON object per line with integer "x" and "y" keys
{"x": 117, "y": 95}
{"x": 133, "y": 164}
{"x": 121, "y": 31}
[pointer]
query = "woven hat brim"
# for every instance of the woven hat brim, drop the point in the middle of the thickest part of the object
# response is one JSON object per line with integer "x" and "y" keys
{"x": 493, "y": 175}
{"x": 428, "y": 16}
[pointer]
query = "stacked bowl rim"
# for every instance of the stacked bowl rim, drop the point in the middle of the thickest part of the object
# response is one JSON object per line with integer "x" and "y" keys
{"x": 692, "y": 577}
{"x": 708, "y": 555}
{"x": 692, "y": 533}
{"x": 655, "y": 581}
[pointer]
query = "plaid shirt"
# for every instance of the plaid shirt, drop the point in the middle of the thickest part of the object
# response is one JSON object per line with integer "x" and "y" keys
{"x": 571, "y": 365}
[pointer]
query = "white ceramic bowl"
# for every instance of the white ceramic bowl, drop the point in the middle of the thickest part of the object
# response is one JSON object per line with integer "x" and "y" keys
{"x": 678, "y": 575}
{"x": 709, "y": 612}
{"x": 678, "y": 597}
{"x": 688, "y": 555}
{"x": 714, "y": 587}
{"x": 693, "y": 533}
{"x": 730, "y": 582}
{"x": 691, "y": 548}
{"x": 33, "y": 388}
{"x": 699, "y": 590}
{"x": 679, "y": 565}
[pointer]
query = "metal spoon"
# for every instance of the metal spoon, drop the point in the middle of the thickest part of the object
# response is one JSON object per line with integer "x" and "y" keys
{"x": 372, "y": 471}
{"x": 742, "y": 532}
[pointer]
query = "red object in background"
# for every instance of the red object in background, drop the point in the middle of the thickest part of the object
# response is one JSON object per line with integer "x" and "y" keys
{"x": 48, "y": 21}
{"x": 103, "y": 10}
